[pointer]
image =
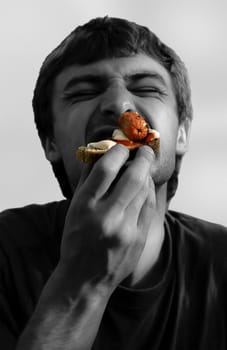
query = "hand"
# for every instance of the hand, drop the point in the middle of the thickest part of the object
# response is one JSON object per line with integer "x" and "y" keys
{"x": 104, "y": 235}
{"x": 109, "y": 217}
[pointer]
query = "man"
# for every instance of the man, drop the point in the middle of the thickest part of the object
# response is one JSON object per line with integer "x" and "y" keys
{"x": 111, "y": 267}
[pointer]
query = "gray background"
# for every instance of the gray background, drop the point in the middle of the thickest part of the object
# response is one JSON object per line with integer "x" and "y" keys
{"x": 197, "y": 30}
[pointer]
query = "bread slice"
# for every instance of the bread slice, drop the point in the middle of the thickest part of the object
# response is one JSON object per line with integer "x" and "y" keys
{"x": 92, "y": 153}
{"x": 88, "y": 155}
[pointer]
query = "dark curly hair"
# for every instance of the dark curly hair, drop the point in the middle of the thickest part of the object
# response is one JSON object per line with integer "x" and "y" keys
{"x": 98, "y": 39}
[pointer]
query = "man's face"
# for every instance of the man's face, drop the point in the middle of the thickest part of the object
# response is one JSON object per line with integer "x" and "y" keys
{"x": 88, "y": 100}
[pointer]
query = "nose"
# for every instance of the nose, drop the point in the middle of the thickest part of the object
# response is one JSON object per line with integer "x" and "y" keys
{"x": 116, "y": 100}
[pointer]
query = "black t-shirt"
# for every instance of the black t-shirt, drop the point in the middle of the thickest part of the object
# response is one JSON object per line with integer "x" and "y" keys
{"x": 185, "y": 309}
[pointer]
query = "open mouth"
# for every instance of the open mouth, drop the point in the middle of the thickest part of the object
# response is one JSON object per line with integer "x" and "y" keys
{"x": 102, "y": 133}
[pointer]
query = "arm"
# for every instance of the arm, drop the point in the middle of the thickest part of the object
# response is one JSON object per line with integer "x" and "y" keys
{"x": 103, "y": 238}
{"x": 65, "y": 320}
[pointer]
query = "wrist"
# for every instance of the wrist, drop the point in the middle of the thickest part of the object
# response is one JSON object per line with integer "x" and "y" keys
{"x": 81, "y": 281}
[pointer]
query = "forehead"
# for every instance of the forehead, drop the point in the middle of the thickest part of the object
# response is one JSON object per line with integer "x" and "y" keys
{"x": 120, "y": 67}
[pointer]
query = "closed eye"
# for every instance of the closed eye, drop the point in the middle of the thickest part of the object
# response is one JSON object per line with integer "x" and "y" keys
{"x": 149, "y": 92}
{"x": 81, "y": 95}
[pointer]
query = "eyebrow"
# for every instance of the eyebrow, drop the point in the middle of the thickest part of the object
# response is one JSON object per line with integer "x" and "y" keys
{"x": 100, "y": 78}
{"x": 146, "y": 74}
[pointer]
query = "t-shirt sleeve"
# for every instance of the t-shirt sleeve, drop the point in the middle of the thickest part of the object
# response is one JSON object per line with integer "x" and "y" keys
{"x": 8, "y": 327}
{"x": 29, "y": 251}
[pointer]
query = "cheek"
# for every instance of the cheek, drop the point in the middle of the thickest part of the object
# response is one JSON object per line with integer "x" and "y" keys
{"x": 168, "y": 148}
{"x": 72, "y": 166}
{"x": 168, "y": 142}
{"x": 68, "y": 138}
{"x": 70, "y": 132}
{"x": 167, "y": 155}
{"x": 165, "y": 166}
{"x": 167, "y": 127}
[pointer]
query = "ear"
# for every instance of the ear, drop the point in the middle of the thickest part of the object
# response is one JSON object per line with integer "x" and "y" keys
{"x": 51, "y": 150}
{"x": 183, "y": 137}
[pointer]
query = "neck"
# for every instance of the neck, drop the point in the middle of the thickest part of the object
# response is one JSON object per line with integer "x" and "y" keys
{"x": 150, "y": 264}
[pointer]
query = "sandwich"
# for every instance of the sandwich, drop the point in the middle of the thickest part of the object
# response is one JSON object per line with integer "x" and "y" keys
{"x": 133, "y": 132}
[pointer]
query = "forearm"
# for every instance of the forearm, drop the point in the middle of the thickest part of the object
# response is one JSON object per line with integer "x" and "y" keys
{"x": 66, "y": 320}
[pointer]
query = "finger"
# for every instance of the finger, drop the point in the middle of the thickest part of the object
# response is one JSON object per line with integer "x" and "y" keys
{"x": 133, "y": 178}
{"x": 147, "y": 209}
{"x": 135, "y": 206}
{"x": 138, "y": 211}
{"x": 104, "y": 171}
{"x": 84, "y": 173}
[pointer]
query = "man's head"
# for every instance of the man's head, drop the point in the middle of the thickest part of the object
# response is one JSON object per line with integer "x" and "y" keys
{"x": 98, "y": 40}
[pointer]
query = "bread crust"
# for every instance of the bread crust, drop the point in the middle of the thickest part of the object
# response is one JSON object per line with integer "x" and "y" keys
{"x": 88, "y": 155}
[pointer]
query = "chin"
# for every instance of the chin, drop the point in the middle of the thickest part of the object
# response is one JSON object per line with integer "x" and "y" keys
{"x": 163, "y": 172}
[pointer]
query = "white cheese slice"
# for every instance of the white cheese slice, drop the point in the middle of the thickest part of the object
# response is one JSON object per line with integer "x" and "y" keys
{"x": 103, "y": 145}
{"x": 156, "y": 133}
{"x": 119, "y": 135}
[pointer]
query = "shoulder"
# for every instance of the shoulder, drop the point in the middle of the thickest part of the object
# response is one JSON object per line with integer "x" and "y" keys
{"x": 32, "y": 210}
{"x": 28, "y": 222}
{"x": 203, "y": 239}
{"x": 196, "y": 226}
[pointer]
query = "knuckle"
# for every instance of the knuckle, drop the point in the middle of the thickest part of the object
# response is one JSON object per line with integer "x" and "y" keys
{"x": 128, "y": 236}
{"x": 105, "y": 166}
{"x": 105, "y": 226}
{"x": 147, "y": 153}
{"x": 125, "y": 240}
{"x": 136, "y": 178}
{"x": 90, "y": 205}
